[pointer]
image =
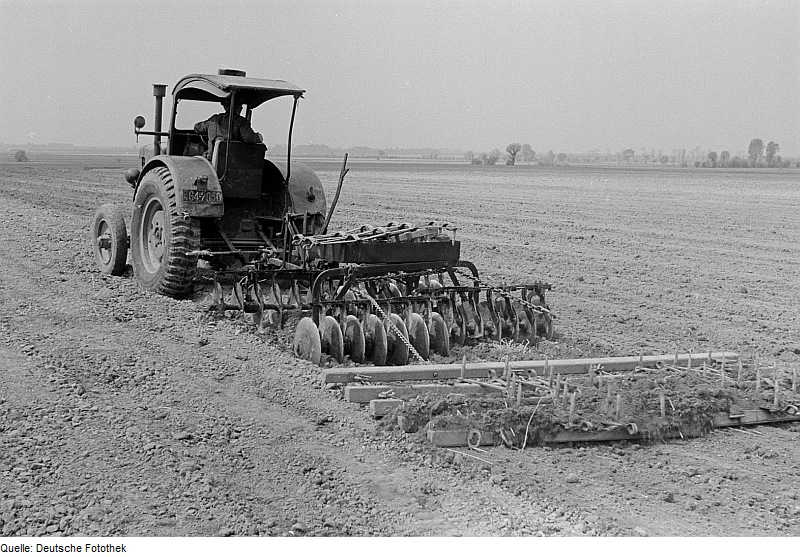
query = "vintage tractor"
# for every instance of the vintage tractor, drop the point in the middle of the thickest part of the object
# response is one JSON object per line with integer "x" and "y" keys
{"x": 224, "y": 214}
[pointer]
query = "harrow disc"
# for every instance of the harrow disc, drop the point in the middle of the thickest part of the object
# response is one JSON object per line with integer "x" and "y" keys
{"x": 394, "y": 291}
{"x": 545, "y": 327}
{"x": 491, "y": 322}
{"x": 354, "y": 344}
{"x": 460, "y": 326}
{"x": 439, "y": 337}
{"x": 307, "y": 345}
{"x": 418, "y": 336}
{"x": 375, "y": 347}
{"x": 525, "y": 330}
{"x": 397, "y": 354}
{"x": 332, "y": 338}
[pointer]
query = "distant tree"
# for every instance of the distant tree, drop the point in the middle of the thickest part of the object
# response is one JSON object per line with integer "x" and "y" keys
{"x": 628, "y": 154}
{"x": 478, "y": 159}
{"x": 772, "y": 150}
{"x": 20, "y": 156}
{"x": 469, "y": 155}
{"x": 664, "y": 159}
{"x": 527, "y": 153}
{"x": 550, "y": 157}
{"x": 755, "y": 151}
{"x": 488, "y": 158}
{"x": 561, "y": 157}
{"x": 512, "y": 151}
{"x": 712, "y": 156}
{"x": 724, "y": 159}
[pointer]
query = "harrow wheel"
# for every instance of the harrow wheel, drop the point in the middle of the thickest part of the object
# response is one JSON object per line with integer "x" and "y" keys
{"x": 354, "y": 344}
{"x": 307, "y": 345}
{"x": 418, "y": 336}
{"x": 397, "y": 354}
{"x": 375, "y": 346}
{"x": 439, "y": 337}
{"x": 332, "y": 339}
{"x": 110, "y": 240}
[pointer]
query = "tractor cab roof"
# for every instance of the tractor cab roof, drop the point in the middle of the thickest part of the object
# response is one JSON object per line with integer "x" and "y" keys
{"x": 249, "y": 90}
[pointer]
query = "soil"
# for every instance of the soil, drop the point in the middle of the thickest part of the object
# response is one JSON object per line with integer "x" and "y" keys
{"x": 128, "y": 413}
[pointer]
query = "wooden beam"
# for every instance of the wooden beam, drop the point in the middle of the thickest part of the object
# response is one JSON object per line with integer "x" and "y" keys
{"x": 365, "y": 393}
{"x": 381, "y": 407}
{"x": 483, "y": 369}
{"x": 458, "y": 437}
{"x": 753, "y": 417}
{"x": 451, "y": 438}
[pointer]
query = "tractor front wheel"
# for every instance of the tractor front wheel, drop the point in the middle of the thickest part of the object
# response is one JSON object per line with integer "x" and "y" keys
{"x": 162, "y": 240}
{"x": 110, "y": 240}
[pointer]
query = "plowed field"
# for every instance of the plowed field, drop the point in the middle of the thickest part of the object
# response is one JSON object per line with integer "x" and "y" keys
{"x": 127, "y": 413}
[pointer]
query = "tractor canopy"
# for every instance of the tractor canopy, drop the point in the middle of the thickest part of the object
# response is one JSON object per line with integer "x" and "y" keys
{"x": 249, "y": 90}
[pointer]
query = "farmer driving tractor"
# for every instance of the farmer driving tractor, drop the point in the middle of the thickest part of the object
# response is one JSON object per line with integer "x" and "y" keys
{"x": 218, "y": 126}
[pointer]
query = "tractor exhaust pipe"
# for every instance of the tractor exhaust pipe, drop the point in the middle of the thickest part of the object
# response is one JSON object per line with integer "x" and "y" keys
{"x": 159, "y": 92}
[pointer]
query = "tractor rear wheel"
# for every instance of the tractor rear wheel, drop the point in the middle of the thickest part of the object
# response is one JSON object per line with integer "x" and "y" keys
{"x": 162, "y": 238}
{"x": 110, "y": 240}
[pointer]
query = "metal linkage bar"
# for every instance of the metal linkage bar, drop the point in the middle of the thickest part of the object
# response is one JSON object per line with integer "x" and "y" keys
{"x": 483, "y": 369}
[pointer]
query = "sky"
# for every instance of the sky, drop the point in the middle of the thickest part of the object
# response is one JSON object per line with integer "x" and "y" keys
{"x": 565, "y": 75}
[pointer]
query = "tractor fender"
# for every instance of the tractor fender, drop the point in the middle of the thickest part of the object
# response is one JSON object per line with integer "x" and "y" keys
{"x": 197, "y": 189}
{"x": 305, "y": 189}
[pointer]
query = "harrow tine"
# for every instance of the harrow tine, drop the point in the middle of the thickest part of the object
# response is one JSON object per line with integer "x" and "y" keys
{"x": 476, "y": 315}
{"x": 278, "y": 295}
{"x": 256, "y": 294}
{"x": 217, "y": 297}
{"x": 238, "y": 295}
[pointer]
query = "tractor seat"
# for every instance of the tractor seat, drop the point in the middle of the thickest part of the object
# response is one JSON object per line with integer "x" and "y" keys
{"x": 239, "y": 166}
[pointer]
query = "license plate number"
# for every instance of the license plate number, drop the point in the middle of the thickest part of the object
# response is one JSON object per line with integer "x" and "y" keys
{"x": 202, "y": 196}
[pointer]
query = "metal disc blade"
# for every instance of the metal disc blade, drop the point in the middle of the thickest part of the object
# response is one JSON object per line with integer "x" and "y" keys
{"x": 491, "y": 327}
{"x": 460, "y": 326}
{"x": 439, "y": 335}
{"x": 398, "y": 351}
{"x": 394, "y": 290}
{"x": 375, "y": 347}
{"x": 307, "y": 342}
{"x": 253, "y": 318}
{"x": 525, "y": 330}
{"x": 332, "y": 338}
{"x": 545, "y": 326}
{"x": 354, "y": 339}
{"x": 418, "y": 336}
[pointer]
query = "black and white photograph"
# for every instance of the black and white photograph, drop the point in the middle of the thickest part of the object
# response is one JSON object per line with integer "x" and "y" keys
{"x": 461, "y": 275}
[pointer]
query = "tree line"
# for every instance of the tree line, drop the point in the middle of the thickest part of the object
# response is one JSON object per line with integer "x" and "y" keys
{"x": 758, "y": 155}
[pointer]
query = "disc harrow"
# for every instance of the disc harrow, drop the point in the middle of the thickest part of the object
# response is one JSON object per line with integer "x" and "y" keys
{"x": 383, "y": 314}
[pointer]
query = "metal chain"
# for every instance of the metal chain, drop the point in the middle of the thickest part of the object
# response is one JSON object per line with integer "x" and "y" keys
{"x": 392, "y": 325}
{"x": 506, "y": 294}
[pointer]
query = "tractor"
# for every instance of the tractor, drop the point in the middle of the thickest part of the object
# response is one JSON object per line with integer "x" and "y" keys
{"x": 222, "y": 212}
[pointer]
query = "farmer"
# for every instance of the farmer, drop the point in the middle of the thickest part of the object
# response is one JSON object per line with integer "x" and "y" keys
{"x": 217, "y": 127}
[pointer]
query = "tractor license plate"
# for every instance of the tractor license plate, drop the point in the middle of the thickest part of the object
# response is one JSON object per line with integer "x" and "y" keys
{"x": 202, "y": 196}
